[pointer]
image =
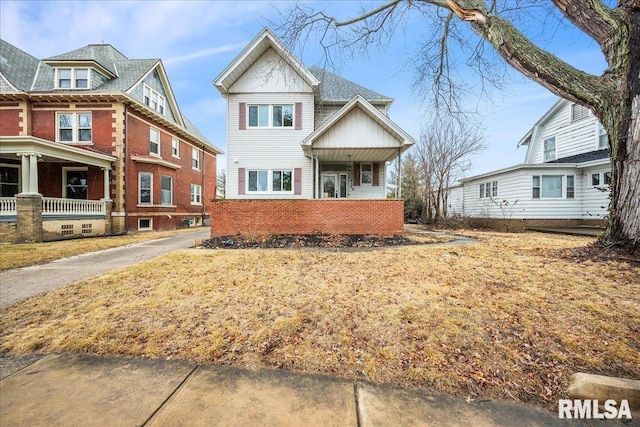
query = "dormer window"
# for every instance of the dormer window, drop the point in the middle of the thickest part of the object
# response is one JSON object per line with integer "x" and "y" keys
{"x": 72, "y": 78}
{"x": 153, "y": 100}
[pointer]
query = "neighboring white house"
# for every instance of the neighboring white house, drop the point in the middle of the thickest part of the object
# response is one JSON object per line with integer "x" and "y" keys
{"x": 565, "y": 175}
{"x": 303, "y": 133}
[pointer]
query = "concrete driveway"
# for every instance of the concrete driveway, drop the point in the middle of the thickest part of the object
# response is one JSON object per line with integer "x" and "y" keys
{"x": 22, "y": 283}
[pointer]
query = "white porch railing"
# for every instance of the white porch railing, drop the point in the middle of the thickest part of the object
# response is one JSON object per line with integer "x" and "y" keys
{"x": 71, "y": 207}
{"x": 7, "y": 206}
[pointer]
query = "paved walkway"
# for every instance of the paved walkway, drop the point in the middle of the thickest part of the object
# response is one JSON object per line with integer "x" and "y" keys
{"x": 22, "y": 283}
{"x": 80, "y": 390}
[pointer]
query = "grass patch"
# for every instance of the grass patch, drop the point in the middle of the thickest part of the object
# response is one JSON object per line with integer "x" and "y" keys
{"x": 506, "y": 317}
{"x": 23, "y": 255}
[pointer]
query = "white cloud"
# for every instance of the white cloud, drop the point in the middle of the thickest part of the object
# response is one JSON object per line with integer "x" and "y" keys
{"x": 205, "y": 52}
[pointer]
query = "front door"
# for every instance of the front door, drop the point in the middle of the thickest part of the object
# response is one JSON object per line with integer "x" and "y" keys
{"x": 334, "y": 185}
{"x": 329, "y": 185}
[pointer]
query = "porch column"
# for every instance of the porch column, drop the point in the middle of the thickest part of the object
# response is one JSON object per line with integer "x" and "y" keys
{"x": 29, "y": 173}
{"x": 107, "y": 196}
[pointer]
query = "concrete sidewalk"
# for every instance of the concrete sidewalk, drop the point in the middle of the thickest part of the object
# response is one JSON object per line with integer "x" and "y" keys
{"x": 23, "y": 283}
{"x": 81, "y": 390}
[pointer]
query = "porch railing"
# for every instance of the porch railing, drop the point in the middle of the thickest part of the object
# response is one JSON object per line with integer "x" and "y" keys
{"x": 71, "y": 207}
{"x": 7, "y": 206}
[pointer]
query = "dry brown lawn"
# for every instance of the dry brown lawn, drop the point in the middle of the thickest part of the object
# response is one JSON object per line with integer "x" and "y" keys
{"x": 511, "y": 316}
{"x": 22, "y": 255}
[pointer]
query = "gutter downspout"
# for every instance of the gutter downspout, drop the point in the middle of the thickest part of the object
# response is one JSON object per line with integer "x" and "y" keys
{"x": 315, "y": 168}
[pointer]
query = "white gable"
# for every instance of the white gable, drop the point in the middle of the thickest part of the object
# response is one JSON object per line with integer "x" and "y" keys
{"x": 270, "y": 73}
{"x": 357, "y": 130}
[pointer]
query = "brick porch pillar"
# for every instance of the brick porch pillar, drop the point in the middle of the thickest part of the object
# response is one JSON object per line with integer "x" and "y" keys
{"x": 29, "y": 217}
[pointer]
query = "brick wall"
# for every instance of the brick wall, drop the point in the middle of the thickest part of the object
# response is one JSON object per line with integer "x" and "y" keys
{"x": 268, "y": 217}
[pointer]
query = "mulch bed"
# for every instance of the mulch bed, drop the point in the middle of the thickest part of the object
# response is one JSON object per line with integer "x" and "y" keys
{"x": 307, "y": 241}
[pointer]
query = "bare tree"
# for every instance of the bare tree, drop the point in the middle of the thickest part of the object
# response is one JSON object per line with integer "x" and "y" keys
{"x": 443, "y": 153}
{"x": 614, "y": 96}
{"x": 412, "y": 179}
{"x": 221, "y": 184}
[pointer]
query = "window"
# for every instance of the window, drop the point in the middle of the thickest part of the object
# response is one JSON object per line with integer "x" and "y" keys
{"x": 536, "y": 187}
{"x": 281, "y": 180}
{"x": 549, "y": 149}
{"x": 145, "y": 224}
{"x": 72, "y": 78}
{"x": 578, "y": 112}
{"x": 366, "y": 173}
{"x": 547, "y": 187}
{"x": 145, "y": 186}
{"x": 153, "y": 99}
{"x": 603, "y": 138}
{"x": 489, "y": 189}
{"x": 75, "y": 183}
{"x": 175, "y": 148}
{"x": 74, "y": 127}
{"x": 258, "y": 180}
{"x": 571, "y": 187}
{"x": 196, "y": 194}
{"x": 166, "y": 190}
{"x": 195, "y": 158}
{"x": 271, "y": 115}
{"x": 600, "y": 179}
{"x": 9, "y": 180}
{"x": 154, "y": 144}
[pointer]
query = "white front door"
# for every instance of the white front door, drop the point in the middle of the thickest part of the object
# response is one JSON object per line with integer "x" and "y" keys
{"x": 329, "y": 182}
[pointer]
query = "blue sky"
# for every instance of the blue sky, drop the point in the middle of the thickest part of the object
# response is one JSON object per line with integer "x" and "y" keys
{"x": 196, "y": 40}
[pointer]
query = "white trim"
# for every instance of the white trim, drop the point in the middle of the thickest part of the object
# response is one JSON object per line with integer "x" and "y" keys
{"x": 198, "y": 194}
{"x": 154, "y": 161}
{"x": 159, "y": 142}
{"x": 177, "y": 147}
{"x": 140, "y": 203}
{"x": 170, "y": 190}
{"x": 58, "y": 150}
{"x": 73, "y": 79}
{"x": 75, "y": 127}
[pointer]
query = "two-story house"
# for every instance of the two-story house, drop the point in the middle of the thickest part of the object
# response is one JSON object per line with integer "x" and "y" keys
{"x": 296, "y": 133}
{"x": 92, "y": 142}
{"x": 564, "y": 179}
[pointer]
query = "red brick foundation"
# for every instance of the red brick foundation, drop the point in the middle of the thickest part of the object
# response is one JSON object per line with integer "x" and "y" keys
{"x": 272, "y": 217}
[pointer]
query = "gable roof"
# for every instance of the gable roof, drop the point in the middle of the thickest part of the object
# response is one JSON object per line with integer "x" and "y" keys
{"x": 259, "y": 45}
{"x": 336, "y": 88}
{"x": 525, "y": 140}
{"x": 359, "y": 102}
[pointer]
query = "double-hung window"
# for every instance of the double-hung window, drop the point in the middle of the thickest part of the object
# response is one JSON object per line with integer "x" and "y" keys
{"x": 175, "y": 148}
{"x": 266, "y": 115}
{"x": 9, "y": 180}
{"x": 145, "y": 188}
{"x": 153, "y": 99}
{"x": 549, "y": 149}
{"x": 74, "y": 127}
{"x": 196, "y": 194}
{"x": 166, "y": 190}
{"x": 154, "y": 141}
{"x": 366, "y": 173}
{"x": 489, "y": 189}
{"x": 195, "y": 158}
{"x": 72, "y": 78}
{"x": 603, "y": 138}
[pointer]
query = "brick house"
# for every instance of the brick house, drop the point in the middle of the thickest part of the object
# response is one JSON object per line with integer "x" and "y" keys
{"x": 91, "y": 143}
{"x": 307, "y": 151}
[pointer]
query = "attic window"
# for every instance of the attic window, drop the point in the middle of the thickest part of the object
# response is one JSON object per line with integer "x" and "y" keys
{"x": 72, "y": 78}
{"x": 153, "y": 100}
{"x": 578, "y": 112}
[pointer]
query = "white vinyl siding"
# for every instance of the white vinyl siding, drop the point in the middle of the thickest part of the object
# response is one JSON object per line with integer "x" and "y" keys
{"x": 268, "y": 148}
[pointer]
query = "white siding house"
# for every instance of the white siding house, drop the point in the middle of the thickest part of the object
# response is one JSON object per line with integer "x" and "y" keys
{"x": 301, "y": 133}
{"x": 565, "y": 175}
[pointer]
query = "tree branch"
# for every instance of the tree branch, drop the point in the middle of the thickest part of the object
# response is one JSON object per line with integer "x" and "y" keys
{"x": 369, "y": 14}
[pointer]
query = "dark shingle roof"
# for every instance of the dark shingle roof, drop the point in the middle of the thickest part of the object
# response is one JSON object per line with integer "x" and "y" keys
{"x": 103, "y": 54}
{"x": 583, "y": 157}
{"x": 17, "y": 66}
{"x": 335, "y": 88}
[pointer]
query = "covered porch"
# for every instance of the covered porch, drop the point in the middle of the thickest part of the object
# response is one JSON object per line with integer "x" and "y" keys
{"x": 351, "y": 152}
{"x": 50, "y": 190}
